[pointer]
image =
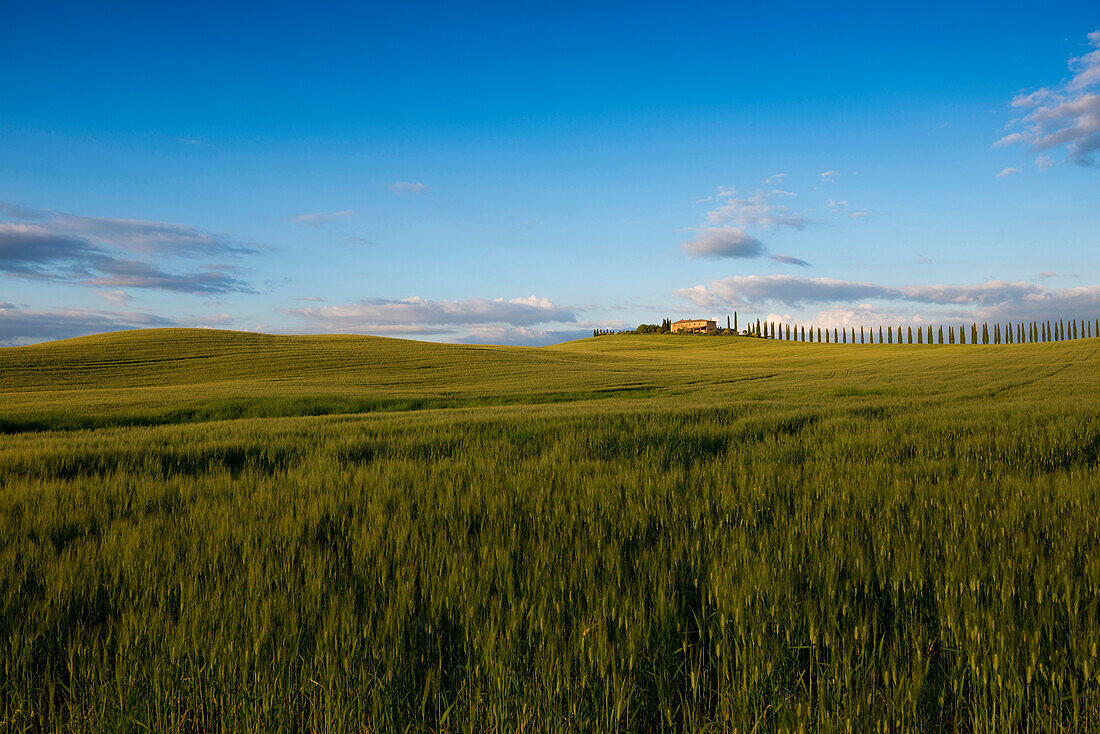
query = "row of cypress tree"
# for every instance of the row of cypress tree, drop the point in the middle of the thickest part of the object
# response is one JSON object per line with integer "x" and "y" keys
{"x": 1008, "y": 333}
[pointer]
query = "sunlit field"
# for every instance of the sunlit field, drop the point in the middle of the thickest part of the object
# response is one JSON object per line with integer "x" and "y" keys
{"x": 219, "y": 531}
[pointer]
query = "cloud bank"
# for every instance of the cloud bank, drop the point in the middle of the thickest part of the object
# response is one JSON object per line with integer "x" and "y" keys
{"x": 992, "y": 299}
{"x": 416, "y": 315}
{"x": 23, "y": 326}
{"x": 41, "y": 244}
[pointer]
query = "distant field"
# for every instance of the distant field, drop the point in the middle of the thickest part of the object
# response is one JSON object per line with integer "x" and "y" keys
{"x": 219, "y": 531}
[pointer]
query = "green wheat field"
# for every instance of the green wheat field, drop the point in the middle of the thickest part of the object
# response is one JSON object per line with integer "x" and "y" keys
{"x": 220, "y": 531}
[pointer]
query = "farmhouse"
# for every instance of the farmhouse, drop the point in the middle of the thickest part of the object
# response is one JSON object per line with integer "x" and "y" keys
{"x": 694, "y": 325}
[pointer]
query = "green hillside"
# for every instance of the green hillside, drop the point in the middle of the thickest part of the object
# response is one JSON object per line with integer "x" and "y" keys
{"x": 204, "y": 530}
{"x": 173, "y": 375}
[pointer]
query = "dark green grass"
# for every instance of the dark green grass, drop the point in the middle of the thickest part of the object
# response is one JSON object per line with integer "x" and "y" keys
{"x": 635, "y": 533}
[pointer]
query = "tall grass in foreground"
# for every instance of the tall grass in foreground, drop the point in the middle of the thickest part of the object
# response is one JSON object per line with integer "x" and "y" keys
{"x": 717, "y": 559}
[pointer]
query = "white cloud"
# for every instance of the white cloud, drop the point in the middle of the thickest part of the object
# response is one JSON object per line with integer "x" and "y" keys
{"x": 1008, "y": 172}
{"x": 318, "y": 218}
{"x": 118, "y": 298}
{"x": 775, "y": 178}
{"x": 724, "y": 242}
{"x": 1065, "y": 116}
{"x": 840, "y": 317}
{"x": 759, "y": 210}
{"x": 829, "y": 175}
{"x": 408, "y": 187}
{"x": 859, "y": 214}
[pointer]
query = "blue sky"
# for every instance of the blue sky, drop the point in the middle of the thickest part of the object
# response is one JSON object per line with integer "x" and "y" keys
{"x": 511, "y": 174}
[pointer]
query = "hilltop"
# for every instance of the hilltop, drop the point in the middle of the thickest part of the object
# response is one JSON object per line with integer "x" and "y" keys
{"x": 173, "y": 375}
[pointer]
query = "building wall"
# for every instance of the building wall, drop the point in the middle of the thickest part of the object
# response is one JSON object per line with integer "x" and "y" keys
{"x": 695, "y": 325}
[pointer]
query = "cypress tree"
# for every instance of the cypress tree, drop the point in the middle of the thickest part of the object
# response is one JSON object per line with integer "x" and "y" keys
{"x": 985, "y": 333}
{"x": 1061, "y": 330}
{"x": 880, "y": 334}
{"x": 909, "y": 334}
{"x": 920, "y": 335}
{"x": 860, "y": 335}
{"x": 1073, "y": 330}
{"x": 803, "y": 332}
{"x": 835, "y": 340}
{"x": 889, "y": 334}
{"x": 950, "y": 334}
{"x": 962, "y": 334}
{"x": 826, "y": 336}
{"x": 996, "y": 333}
{"x": 843, "y": 336}
{"x": 735, "y": 321}
{"x": 819, "y": 335}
